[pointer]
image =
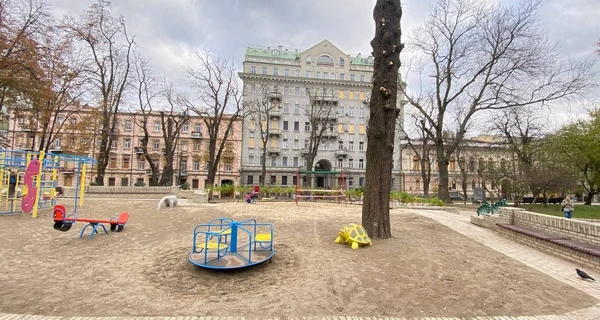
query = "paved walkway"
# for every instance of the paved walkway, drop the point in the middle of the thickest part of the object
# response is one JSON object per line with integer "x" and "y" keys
{"x": 554, "y": 267}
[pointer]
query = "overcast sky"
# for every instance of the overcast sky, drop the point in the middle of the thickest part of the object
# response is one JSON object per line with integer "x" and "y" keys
{"x": 168, "y": 30}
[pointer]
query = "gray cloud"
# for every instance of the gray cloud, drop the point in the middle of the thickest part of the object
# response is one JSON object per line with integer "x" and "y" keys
{"x": 170, "y": 30}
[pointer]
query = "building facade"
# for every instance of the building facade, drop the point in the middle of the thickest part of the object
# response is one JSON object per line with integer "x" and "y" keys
{"x": 480, "y": 162}
{"x": 78, "y": 133}
{"x": 294, "y": 77}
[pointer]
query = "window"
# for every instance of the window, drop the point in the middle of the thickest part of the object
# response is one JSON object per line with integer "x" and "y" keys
{"x": 251, "y": 159}
{"x": 361, "y": 146}
{"x": 306, "y": 126}
{"x": 361, "y": 182}
{"x": 361, "y": 112}
{"x": 350, "y": 163}
{"x": 273, "y": 179}
{"x": 285, "y": 125}
{"x": 141, "y": 164}
{"x": 461, "y": 163}
{"x": 342, "y": 76}
{"x": 296, "y": 144}
{"x": 284, "y": 180}
{"x": 415, "y": 166}
{"x": 294, "y": 180}
{"x": 126, "y": 162}
{"x": 362, "y": 78}
{"x": 325, "y": 60}
{"x": 156, "y": 126}
{"x": 60, "y": 120}
{"x": 351, "y": 77}
{"x": 286, "y": 72}
{"x": 114, "y": 143}
{"x": 155, "y": 144}
{"x": 297, "y": 108}
{"x": 471, "y": 164}
{"x": 473, "y": 184}
{"x": 284, "y": 161}
{"x": 286, "y": 108}
{"x": 332, "y": 76}
{"x": 340, "y": 162}
{"x": 351, "y": 145}
{"x": 351, "y": 111}
{"x": 250, "y": 179}
{"x": 228, "y": 167}
{"x": 341, "y": 145}
{"x": 308, "y": 74}
{"x": 183, "y": 165}
{"x": 325, "y": 75}
{"x": 298, "y": 73}
{"x": 124, "y": 182}
{"x": 253, "y": 69}
{"x": 113, "y": 163}
{"x": 196, "y": 165}
{"x": 284, "y": 144}
{"x": 185, "y": 128}
{"x": 184, "y": 146}
{"x": 127, "y": 125}
{"x": 297, "y": 91}
{"x": 286, "y": 91}
{"x": 452, "y": 164}
{"x": 57, "y": 143}
{"x": 491, "y": 165}
{"x": 264, "y": 70}
{"x": 273, "y": 162}
{"x": 341, "y": 62}
{"x": 126, "y": 143}
{"x": 196, "y": 146}
{"x": 275, "y": 71}
{"x": 350, "y": 182}
{"x": 295, "y": 162}
{"x": 197, "y": 128}
{"x": 341, "y": 111}
{"x": 296, "y": 125}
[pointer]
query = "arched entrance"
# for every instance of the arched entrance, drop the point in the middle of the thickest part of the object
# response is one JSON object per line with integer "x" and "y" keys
{"x": 323, "y": 180}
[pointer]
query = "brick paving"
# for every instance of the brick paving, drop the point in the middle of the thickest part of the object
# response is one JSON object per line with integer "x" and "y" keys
{"x": 554, "y": 267}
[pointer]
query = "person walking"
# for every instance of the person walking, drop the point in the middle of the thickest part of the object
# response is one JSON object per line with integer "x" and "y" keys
{"x": 568, "y": 207}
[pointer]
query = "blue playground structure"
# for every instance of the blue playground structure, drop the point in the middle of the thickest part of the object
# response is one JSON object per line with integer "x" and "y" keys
{"x": 227, "y": 244}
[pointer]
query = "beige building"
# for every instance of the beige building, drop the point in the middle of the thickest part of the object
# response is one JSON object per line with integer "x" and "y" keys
{"x": 329, "y": 74}
{"x": 79, "y": 134}
{"x": 475, "y": 155}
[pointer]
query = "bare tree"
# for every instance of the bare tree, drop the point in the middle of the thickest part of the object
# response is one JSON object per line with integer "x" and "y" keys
{"x": 219, "y": 104}
{"x": 422, "y": 147}
{"x": 382, "y": 122}
{"x": 322, "y": 115}
{"x": 259, "y": 111}
{"x": 172, "y": 119}
{"x": 148, "y": 89}
{"x": 482, "y": 57}
{"x": 109, "y": 46}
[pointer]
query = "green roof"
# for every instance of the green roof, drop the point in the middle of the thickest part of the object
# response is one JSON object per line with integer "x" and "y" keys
{"x": 319, "y": 171}
{"x": 272, "y": 53}
{"x": 368, "y": 61}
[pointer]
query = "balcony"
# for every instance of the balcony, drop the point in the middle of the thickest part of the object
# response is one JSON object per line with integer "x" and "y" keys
{"x": 326, "y": 99}
{"x": 274, "y": 150}
{"x": 331, "y": 116}
{"x": 330, "y": 134}
{"x": 275, "y": 113}
{"x": 196, "y": 135}
{"x": 182, "y": 173}
{"x": 305, "y": 151}
{"x": 26, "y": 127}
{"x": 341, "y": 153}
{"x": 67, "y": 171}
{"x": 275, "y": 96}
{"x": 139, "y": 151}
{"x": 149, "y": 172}
{"x": 274, "y": 132}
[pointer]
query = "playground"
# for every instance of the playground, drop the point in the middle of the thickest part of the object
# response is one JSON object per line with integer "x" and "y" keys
{"x": 426, "y": 270}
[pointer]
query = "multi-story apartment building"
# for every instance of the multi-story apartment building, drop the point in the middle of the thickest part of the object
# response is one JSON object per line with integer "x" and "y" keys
{"x": 79, "y": 134}
{"x": 329, "y": 73}
{"x": 471, "y": 163}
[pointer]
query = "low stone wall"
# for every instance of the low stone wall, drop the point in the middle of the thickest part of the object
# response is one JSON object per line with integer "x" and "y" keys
{"x": 581, "y": 258}
{"x": 155, "y": 193}
{"x": 583, "y": 231}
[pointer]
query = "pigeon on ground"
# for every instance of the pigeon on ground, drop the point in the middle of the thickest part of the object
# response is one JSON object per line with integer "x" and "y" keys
{"x": 584, "y": 275}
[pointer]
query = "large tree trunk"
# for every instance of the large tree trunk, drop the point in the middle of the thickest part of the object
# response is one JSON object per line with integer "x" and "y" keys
{"x": 443, "y": 192}
{"x": 382, "y": 123}
{"x": 310, "y": 162}
{"x": 102, "y": 163}
{"x": 263, "y": 172}
{"x": 590, "y": 195}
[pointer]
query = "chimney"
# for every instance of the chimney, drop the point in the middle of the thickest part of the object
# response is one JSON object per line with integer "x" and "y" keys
{"x": 268, "y": 48}
{"x": 280, "y": 48}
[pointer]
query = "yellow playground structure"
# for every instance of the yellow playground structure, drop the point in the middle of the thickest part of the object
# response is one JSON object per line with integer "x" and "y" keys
{"x": 13, "y": 186}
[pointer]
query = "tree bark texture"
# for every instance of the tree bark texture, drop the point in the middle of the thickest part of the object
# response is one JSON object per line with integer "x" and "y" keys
{"x": 382, "y": 122}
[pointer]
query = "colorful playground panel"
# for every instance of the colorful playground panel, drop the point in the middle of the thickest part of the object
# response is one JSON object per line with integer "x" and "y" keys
{"x": 224, "y": 243}
{"x": 62, "y": 222}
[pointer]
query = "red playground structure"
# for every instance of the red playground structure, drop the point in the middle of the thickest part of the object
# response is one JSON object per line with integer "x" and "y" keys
{"x": 62, "y": 222}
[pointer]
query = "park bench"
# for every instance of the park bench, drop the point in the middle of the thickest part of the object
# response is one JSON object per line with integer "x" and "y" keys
{"x": 555, "y": 239}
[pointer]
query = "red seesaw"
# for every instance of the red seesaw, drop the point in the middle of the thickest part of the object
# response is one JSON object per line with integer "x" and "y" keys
{"x": 62, "y": 222}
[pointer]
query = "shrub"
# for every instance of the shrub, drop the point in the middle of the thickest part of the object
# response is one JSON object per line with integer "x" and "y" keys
{"x": 139, "y": 184}
{"x": 183, "y": 186}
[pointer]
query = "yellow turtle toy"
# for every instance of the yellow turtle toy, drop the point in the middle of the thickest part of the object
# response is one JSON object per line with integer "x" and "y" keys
{"x": 354, "y": 235}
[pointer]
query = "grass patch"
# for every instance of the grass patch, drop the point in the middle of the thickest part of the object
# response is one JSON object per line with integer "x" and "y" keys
{"x": 581, "y": 211}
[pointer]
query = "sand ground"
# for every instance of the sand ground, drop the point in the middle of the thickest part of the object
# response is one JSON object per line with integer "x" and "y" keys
{"x": 425, "y": 270}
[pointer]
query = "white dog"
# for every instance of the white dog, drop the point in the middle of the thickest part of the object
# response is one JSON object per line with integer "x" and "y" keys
{"x": 168, "y": 201}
